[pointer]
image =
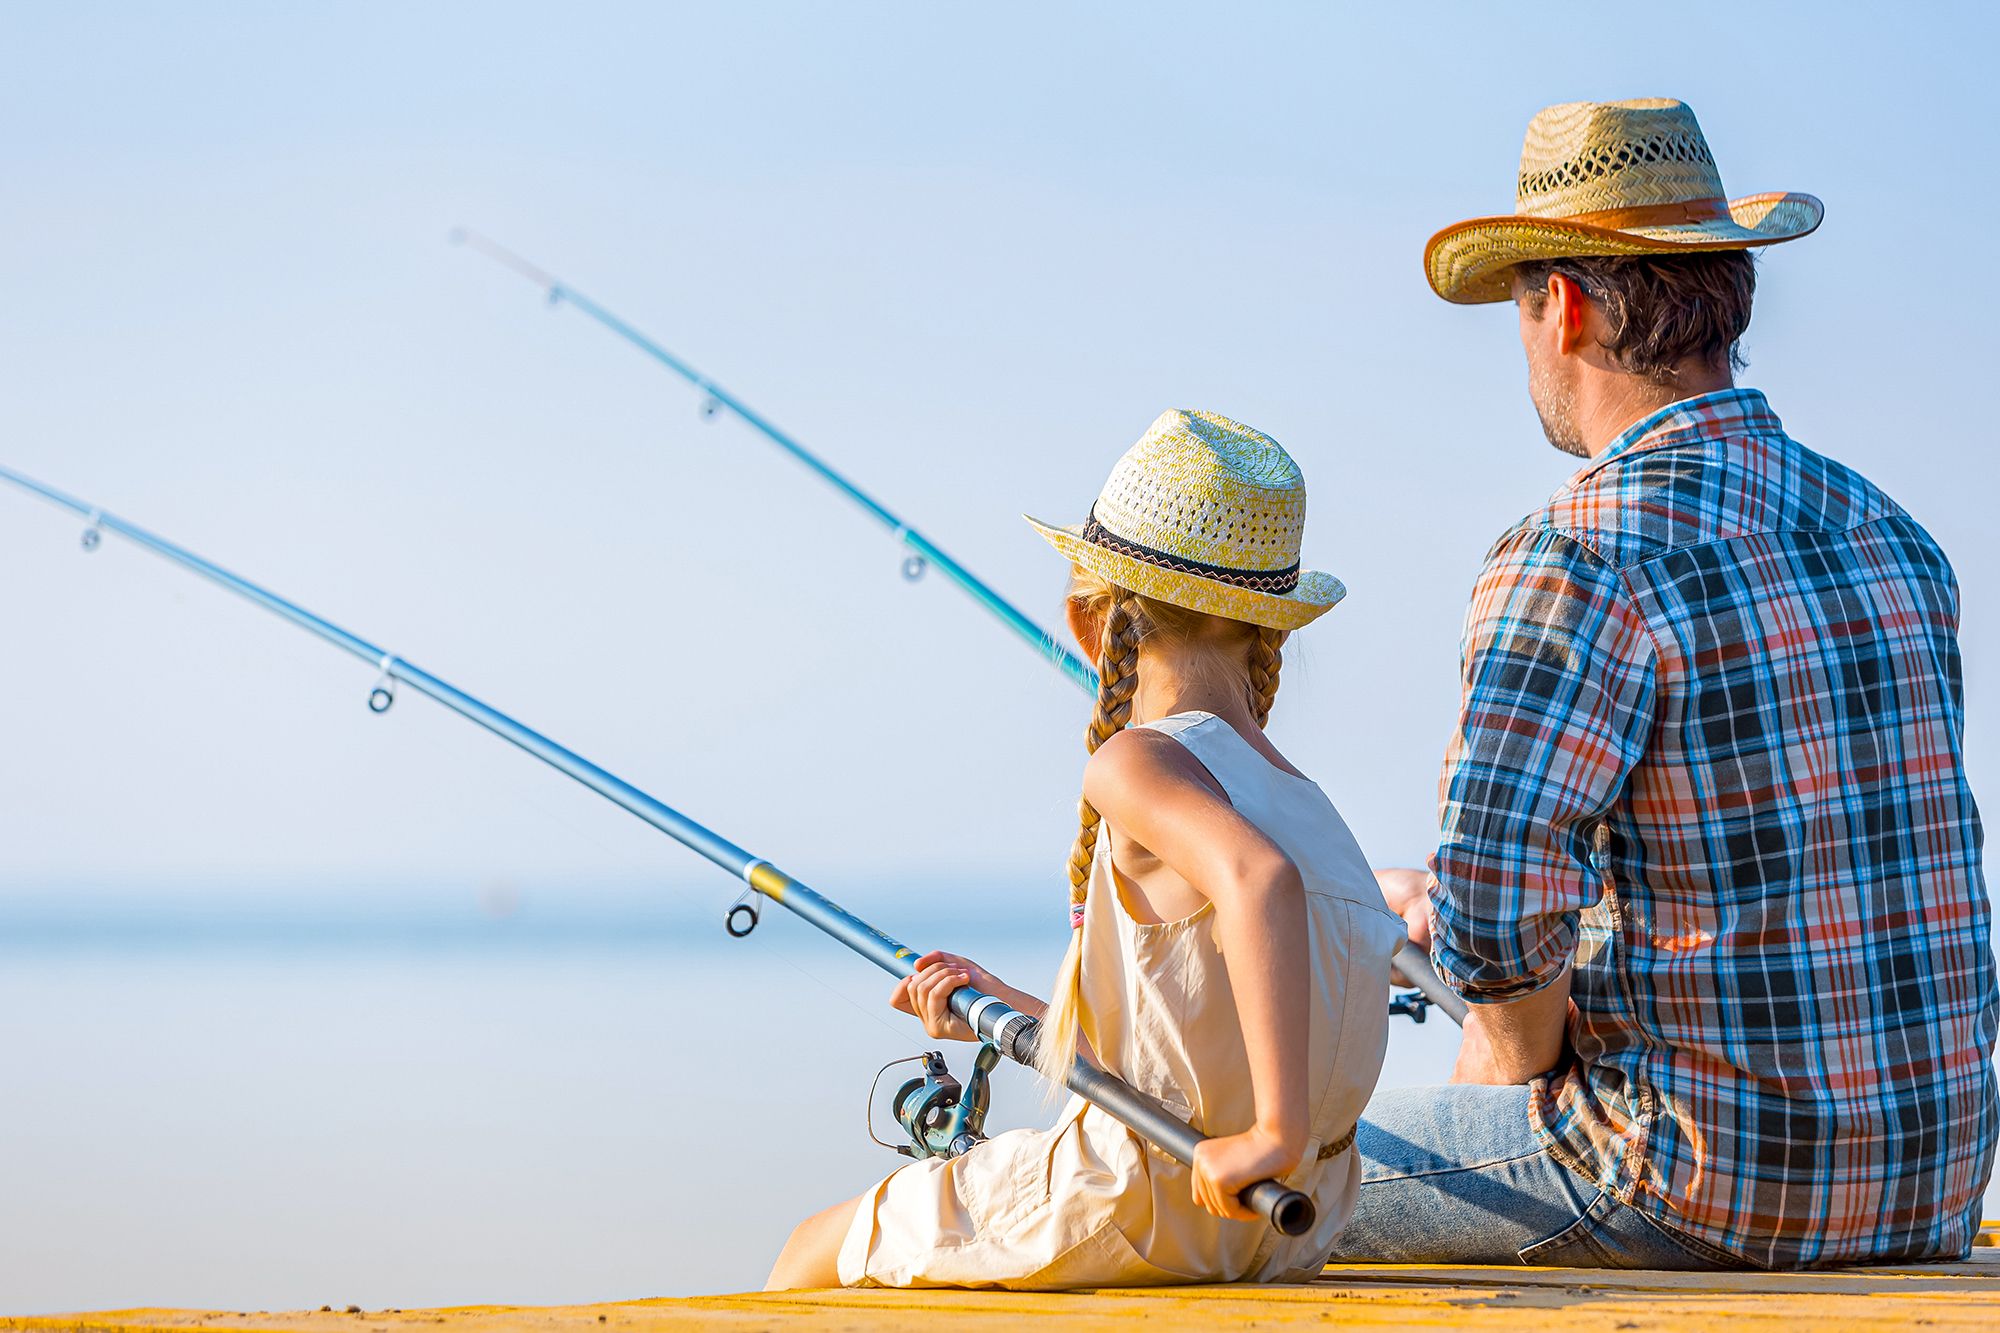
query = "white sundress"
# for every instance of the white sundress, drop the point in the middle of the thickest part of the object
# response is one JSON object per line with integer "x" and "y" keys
{"x": 1086, "y": 1203}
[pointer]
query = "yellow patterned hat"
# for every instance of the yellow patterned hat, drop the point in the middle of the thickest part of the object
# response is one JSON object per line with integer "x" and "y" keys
{"x": 1610, "y": 178}
{"x": 1205, "y": 513}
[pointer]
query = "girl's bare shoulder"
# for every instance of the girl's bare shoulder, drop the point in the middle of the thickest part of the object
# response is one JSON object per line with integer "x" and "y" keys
{"x": 1140, "y": 764}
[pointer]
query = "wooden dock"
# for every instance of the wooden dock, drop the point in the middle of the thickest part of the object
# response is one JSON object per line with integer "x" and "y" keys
{"x": 1941, "y": 1297}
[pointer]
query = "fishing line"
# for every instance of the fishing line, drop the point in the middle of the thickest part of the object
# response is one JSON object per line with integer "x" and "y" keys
{"x": 1412, "y": 965}
{"x": 924, "y": 554}
{"x": 941, "y": 1115}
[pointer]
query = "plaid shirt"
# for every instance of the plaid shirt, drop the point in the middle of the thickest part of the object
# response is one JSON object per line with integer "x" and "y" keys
{"x": 1710, "y": 750}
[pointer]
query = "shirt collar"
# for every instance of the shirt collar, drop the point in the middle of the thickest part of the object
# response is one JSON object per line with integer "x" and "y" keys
{"x": 1705, "y": 416}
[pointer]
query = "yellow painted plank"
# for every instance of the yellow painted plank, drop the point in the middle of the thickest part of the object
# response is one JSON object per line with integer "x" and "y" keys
{"x": 1944, "y": 1297}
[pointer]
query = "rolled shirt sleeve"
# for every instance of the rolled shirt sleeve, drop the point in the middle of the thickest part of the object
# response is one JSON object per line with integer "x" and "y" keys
{"x": 1557, "y": 706}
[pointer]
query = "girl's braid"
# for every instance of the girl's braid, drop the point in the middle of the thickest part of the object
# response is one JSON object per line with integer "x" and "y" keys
{"x": 1117, "y": 680}
{"x": 1267, "y": 658}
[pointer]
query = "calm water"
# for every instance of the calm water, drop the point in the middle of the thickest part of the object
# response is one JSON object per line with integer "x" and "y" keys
{"x": 225, "y": 1107}
{"x": 219, "y": 1105}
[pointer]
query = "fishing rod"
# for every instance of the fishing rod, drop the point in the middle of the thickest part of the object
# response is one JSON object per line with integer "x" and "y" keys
{"x": 924, "y": 553}
{"x": 943, "y": 1117}
{"x": 1412, "y": 965}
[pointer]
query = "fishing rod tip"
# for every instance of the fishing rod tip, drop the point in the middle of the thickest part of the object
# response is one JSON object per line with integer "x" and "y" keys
{"x": 457, "y": 236}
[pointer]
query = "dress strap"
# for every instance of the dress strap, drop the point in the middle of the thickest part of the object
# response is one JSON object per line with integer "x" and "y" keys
{"x": 1176, "y": 723}
{"x": 1217, "y": 748}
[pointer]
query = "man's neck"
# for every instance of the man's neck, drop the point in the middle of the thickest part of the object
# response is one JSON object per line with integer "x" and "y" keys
{"x": 1610, "y": 404}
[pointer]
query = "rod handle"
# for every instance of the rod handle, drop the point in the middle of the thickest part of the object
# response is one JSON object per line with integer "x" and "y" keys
{"x": 1412, "y": 967}
{"x": 1291, "y": 1212}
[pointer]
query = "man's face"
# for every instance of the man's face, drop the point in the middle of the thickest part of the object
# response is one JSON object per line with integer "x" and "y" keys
{"x": 1551, "y": 374}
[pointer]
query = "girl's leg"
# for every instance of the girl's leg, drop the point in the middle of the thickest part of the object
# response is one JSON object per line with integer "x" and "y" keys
{"x": 810, "y": 1258}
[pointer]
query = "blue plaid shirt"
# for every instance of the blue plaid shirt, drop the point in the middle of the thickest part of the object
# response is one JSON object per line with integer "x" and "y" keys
{"x": 1710, "y": 751}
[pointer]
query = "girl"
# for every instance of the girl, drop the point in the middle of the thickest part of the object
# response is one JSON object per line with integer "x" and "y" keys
{"x": 1230, "y": 950}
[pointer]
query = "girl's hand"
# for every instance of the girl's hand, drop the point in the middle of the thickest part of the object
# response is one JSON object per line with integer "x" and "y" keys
{"x": 927, "y": 993}
{"x": 1224, "y": 1167}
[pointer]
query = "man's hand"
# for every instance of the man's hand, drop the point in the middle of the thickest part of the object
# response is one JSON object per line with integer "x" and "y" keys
{"x": 1408, "y": 893}
{"x": 1518, "y": 1041}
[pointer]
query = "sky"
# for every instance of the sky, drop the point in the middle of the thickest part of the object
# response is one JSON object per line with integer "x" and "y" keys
{"x": 966, "y": 258}
{"x": 965, "y": 253}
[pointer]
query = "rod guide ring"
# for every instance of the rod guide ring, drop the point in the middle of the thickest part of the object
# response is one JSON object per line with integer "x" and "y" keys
{"x": 383, "y": 697}
{"x": 743, "y": 915}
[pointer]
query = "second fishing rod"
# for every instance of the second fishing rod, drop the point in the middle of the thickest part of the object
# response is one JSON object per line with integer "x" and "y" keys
{"x": 1413, "y": 965}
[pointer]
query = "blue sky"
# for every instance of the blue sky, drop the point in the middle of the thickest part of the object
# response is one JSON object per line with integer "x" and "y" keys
{"x": 967, "y": 255}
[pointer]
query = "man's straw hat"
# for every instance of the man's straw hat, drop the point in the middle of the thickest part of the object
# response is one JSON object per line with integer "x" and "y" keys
{"x": 1204, "y": 513}
{"x": 1610, "y": 178}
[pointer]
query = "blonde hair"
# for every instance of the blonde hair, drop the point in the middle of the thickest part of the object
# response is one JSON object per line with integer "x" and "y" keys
{"x": 1128, "y": 619}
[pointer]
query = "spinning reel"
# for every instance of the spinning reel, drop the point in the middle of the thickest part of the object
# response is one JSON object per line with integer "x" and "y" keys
{"x": 943, "y": 1117}
{"x": 1411, "y": 1004}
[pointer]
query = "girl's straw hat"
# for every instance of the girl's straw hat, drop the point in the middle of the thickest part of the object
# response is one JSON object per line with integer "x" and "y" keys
{"x": 1610, "y": 178}
{"x": 1204, "y": 513}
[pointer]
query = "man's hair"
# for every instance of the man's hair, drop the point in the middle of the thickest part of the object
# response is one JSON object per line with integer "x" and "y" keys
{"x": 1662, "y": 309}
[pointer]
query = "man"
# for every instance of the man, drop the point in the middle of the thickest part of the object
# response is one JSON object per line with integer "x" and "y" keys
{"x": 1709, "y": 872}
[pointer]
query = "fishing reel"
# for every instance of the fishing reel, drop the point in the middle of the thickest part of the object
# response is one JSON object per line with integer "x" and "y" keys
{"x": 943, "y": 1117}
{"x": 1411, "y": 1004}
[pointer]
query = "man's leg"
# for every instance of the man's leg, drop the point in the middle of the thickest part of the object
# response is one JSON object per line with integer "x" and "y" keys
{"x": 1454, "y": 1175}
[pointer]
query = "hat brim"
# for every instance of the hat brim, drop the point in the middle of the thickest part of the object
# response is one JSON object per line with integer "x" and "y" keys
{"x": 1468, "y": 262}
{"x": 1314, "y": 597}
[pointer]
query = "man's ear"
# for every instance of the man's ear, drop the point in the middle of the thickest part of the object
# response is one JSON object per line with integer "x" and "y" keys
{"x": 1571, "y": 309}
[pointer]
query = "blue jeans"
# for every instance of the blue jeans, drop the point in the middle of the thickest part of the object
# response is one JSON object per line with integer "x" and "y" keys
{"x": 1455, "y": 1175}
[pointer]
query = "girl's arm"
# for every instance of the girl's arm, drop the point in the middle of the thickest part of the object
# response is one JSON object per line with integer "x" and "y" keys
{"x": 1158, "y": 795}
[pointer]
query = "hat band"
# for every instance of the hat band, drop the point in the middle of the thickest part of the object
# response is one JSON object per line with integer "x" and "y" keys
{"x": 1274, "y": 580}
{"x": 1653, "y": 215}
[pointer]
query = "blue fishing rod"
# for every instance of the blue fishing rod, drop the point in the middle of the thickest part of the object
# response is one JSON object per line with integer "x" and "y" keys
{"x": 1413, "y": 965}
{"x": 924, "y": 553}
{"x": 942, "y": 1116}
